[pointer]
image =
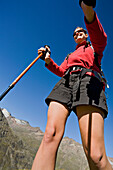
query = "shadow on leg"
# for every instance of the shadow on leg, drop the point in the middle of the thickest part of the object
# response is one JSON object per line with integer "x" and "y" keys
{"x": 91, "y": 125}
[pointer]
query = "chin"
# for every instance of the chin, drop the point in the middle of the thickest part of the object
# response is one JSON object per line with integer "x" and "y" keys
{"x": 78, "y": 42}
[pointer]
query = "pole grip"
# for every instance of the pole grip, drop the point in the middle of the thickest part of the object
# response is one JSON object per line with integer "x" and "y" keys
{"x": 6, "y": 91}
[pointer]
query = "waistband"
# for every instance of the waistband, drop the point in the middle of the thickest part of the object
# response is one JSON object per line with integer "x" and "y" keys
{"x": 73, "y": 69}
{"x": 84, "y": 71}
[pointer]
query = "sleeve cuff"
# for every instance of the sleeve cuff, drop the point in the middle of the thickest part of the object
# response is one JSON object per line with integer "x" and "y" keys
{"x": 48, "y": 65}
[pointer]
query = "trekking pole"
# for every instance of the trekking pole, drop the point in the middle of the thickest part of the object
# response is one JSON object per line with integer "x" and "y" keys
{"x": 19, "y": 77}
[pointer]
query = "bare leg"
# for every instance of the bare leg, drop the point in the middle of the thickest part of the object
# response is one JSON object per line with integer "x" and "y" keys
{"x": 46, "y": 156}
{"x": 92, "y": 134}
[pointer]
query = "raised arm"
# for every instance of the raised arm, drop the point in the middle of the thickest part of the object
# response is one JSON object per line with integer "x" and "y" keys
{"x": 88, "y": 12}
{"x": 95, "y": 30}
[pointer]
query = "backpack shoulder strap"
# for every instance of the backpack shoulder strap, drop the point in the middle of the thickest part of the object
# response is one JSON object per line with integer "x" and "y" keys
{"x": 96, "y": 61}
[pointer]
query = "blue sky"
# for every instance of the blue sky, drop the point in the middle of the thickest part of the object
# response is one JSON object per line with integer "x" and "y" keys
{"x": 27, "y": 25}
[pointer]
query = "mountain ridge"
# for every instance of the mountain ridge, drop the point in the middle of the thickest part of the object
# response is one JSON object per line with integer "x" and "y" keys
{"x": 20, "y": 142}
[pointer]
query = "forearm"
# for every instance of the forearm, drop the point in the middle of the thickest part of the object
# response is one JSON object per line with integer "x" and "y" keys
{"x": 97, "y": 34}
{"x": 54, "y": 68}
{"x": 88, "y": 12}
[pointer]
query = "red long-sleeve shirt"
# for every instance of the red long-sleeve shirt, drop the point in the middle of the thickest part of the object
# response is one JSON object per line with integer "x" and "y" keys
{"x": 84, "y": 56}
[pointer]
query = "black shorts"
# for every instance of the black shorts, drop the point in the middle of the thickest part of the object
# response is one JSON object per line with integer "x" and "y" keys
{"x": 73, "y": 91}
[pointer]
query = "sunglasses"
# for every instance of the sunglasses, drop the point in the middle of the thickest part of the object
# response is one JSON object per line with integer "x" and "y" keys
{"x": 82, "y": 30}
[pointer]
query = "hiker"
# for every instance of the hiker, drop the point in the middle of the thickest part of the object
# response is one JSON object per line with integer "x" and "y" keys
{"x": 81, "y": 90}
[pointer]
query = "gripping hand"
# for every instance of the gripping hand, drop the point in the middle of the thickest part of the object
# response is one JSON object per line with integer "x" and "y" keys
{"x": 88, "y": 3}
{"x": 44, "y": 51}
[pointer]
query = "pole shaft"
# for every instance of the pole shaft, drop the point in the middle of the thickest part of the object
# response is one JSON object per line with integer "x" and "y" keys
{"x": 6, "y": 91}
{"x": 19, "y": 77}
{"x": 22, "y": 74}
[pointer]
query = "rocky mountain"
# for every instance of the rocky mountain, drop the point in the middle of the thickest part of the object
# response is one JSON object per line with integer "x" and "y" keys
{"x": 19, "y": 143}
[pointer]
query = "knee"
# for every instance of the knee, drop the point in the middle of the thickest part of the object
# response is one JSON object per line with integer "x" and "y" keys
{"x": 97, "y": 157}
{"x": 99, "y": 160}
{"x": 49, "y": 134}
{"x": 52, "y": 135}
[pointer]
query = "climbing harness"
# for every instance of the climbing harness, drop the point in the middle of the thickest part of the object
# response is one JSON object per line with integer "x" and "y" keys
{"x": 100, "y": 76}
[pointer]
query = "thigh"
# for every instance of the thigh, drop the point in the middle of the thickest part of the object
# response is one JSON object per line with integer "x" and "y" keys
{"x": 57, "y": 116}
{"x": 91, "y": 125}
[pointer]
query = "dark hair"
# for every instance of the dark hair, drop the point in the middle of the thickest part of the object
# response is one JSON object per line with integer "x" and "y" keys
{"x": 85, "y": 31}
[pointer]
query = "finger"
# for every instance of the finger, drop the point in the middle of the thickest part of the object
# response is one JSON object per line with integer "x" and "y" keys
{"x": 48, "y": 48}
{"x": 41, "y": 50}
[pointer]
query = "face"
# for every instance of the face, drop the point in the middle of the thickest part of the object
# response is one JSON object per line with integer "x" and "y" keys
{"x": 79, "y": 35}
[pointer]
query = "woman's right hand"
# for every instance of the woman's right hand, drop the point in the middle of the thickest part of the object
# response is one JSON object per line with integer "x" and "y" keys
{"x": 46, "y": 53}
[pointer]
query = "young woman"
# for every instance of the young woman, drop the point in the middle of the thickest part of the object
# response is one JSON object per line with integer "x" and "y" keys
{"x": 81, "y": 90}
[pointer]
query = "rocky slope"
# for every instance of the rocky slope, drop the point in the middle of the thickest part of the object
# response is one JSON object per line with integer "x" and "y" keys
{"x": 19, "y": 143}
